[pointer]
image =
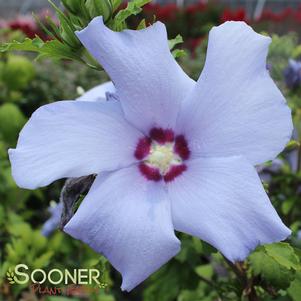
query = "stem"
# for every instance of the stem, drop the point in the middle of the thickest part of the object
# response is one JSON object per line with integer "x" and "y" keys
{"x": 209, "y": 282}
{"x": 247, "y": 284}
{"x": 237, "y": 271}
{"x": 252, "y": 296}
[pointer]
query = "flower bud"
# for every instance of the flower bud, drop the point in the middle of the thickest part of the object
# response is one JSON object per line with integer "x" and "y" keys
{"x": 100, "y": 8}
{"x": 73, "y": 6}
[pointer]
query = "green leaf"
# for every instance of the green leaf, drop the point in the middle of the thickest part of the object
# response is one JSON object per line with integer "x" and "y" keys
{"x": 73, "y": 6}
{"x": 100, "y": 8}
{"x": 133, "y": 8}
{"x": 165, "y": 284}
{"x": 284, "y": 254}
{"x": 26, "y": 45}
{"x": 11, "y": 122}
{"x": 51, "y": 49}
{"x": 174, "y": 42}
{"x": 205, "y": 270}
{"x": 116, "y": 4}
{"x": 292, "y": 145}
{"x": 287, "y": 205}
{"x": 43, "y": 260}
{"x": 51, "y": 34}
{"x": 67, "y": 28}
{"x": 294, "y": 291}
{"x": 270, "y": 270}
{"x": 178, "y": 53}
{"x": 141, "y": 25}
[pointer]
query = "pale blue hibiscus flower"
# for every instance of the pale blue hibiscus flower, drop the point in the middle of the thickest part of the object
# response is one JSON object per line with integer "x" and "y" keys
{"x": 103, "y": 92}
{"x": 171, "y": 154}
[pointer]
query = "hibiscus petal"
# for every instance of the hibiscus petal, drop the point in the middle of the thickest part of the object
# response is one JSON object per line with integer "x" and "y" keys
{"x": 222, "y": 201}
{"x": 72, "y": 139}
{"x": 128, "y": 219}
{"x": 149, "y": 82}
{"x": 235, "y": 108}
{"x": 98, "y": 93}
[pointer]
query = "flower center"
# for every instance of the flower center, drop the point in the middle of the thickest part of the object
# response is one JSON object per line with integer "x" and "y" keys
{"x": 162, "y": 155}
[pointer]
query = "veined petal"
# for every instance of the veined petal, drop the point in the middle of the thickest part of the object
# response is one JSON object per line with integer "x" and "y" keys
{"x": 222, "y": 201}
{"x": 72, "y": 139}
{"x": 98, "y": 93}
{"x": 128, "y": 219}
{"x": 149, "y": 82}
{"x": 235, "y": 108}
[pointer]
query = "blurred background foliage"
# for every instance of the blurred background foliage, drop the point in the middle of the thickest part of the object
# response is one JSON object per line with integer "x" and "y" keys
{"x": 198, "y": 272}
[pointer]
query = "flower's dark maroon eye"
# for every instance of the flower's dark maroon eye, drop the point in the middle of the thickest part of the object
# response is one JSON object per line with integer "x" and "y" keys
{"x": 162, "y": 136}
{"x": 174, "y": 171}
{"x": 162, "y": 155}
{"x": 181, "y": 147}
{"x": 151, "y": 173}
{"x": 143, "y": 148}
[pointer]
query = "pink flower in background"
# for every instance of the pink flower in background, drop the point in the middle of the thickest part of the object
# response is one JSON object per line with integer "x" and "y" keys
{"x": 26, "y": 24}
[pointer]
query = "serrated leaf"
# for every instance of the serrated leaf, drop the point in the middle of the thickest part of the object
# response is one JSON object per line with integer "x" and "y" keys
{"x": 133, "y": 8}
{"x": 294, "y": 291}
{"x": 51, "y": 49}
{"x": 174, "y": 42}
{"x": 178, "y": 53}
{"x": 27, "y": 45}
{"x": 269, "y": 269}
{"x": 284, "y": 254}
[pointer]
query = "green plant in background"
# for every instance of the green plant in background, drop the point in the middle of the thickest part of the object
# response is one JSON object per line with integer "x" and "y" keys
{"x": 16, "y": 72}
{"x": 11, "y": 122}
{"x": 64, "y": 44}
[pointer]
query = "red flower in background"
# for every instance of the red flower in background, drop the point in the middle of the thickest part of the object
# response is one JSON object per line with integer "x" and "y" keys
{"x": 298, "y": 14}
{"x": 286, "y": 14}
{"x": 233, "y": 15}
{"x": 195, "y": 8}
{"x": 168, "y": 12}
{"x": 193, "y": 43}
{"x": 26, "y": 24}
{"x": 163, "y": 13}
